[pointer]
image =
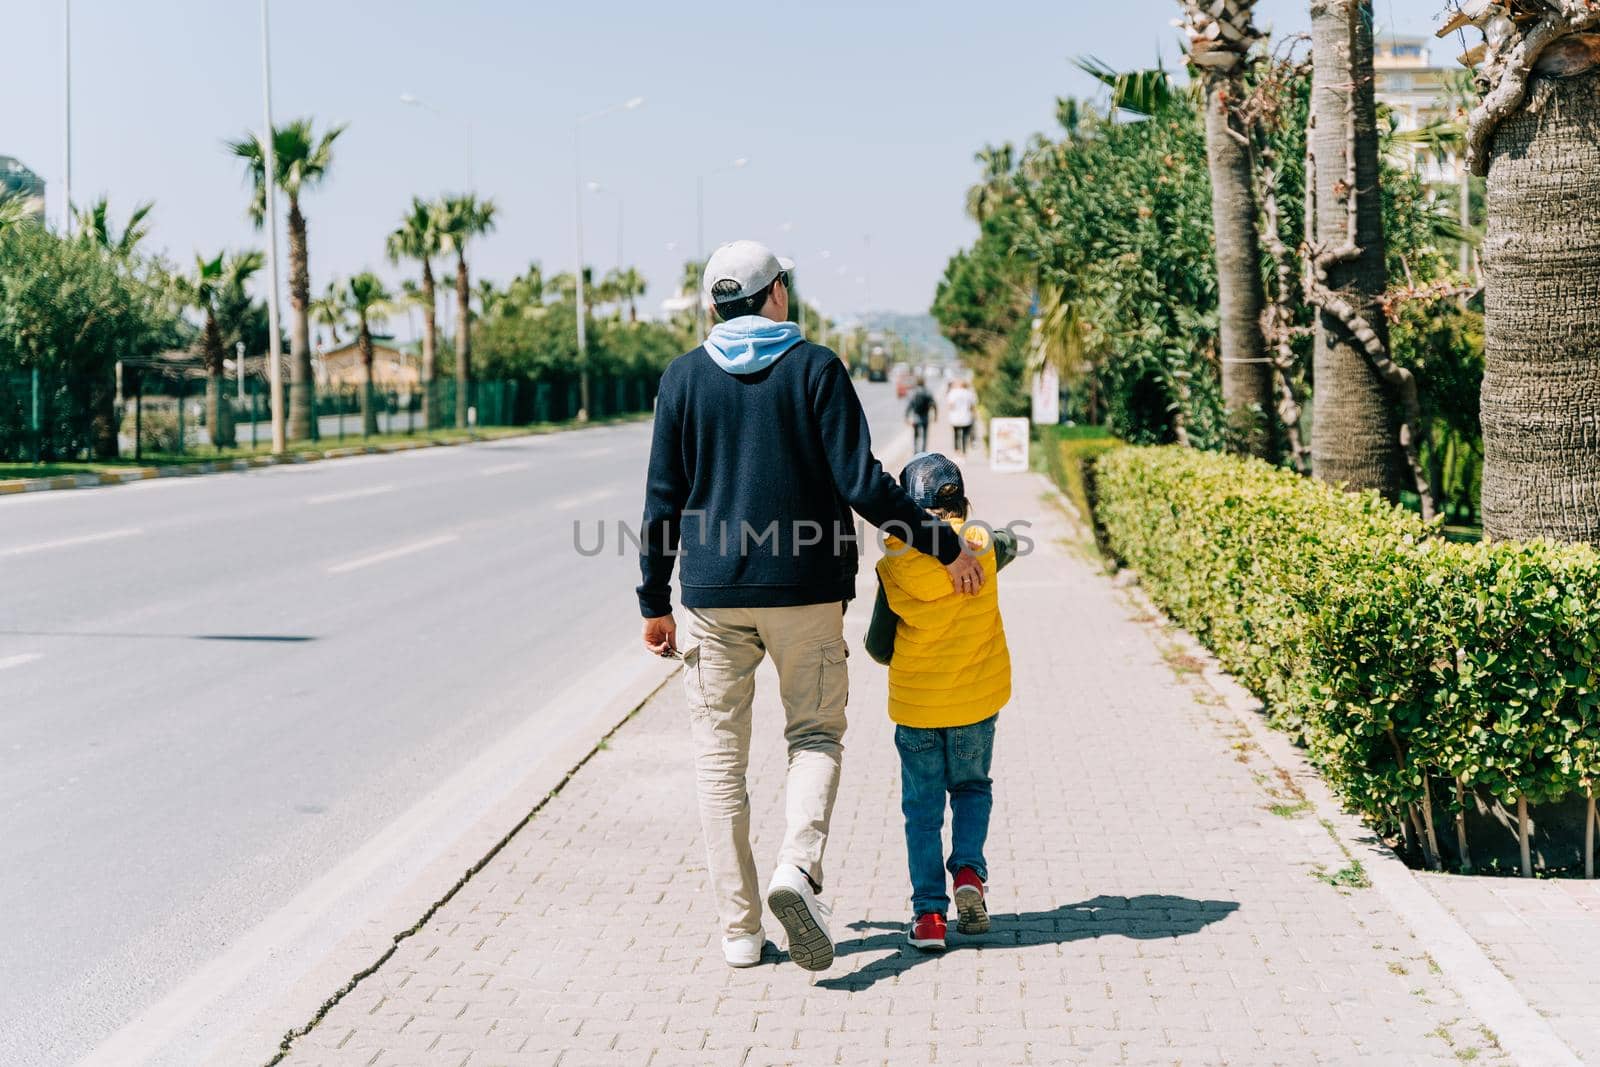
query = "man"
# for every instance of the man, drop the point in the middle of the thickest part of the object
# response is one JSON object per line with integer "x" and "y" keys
{"x": 918, "y": 410}
{"x": 760, "y": 452}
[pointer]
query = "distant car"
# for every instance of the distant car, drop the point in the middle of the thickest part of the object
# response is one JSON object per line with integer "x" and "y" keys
{"x": 877, "y": 364}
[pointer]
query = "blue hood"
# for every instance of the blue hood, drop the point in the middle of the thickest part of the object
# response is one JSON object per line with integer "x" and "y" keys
{"x": 750, "y": 343}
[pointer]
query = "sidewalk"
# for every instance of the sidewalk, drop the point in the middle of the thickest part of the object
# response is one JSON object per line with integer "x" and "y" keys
{"x": 1157, "y": 897}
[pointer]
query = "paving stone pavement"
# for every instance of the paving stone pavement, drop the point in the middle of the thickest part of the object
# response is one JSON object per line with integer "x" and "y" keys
{"x": 1156, "y": 897}
{"x": 1544, "y": 935}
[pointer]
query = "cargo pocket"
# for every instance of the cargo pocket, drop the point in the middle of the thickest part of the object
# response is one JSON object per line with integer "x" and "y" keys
{"x": 834, "y": 679}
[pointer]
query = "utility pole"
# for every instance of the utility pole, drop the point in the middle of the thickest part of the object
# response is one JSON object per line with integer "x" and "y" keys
{"x": 66, "y": 170}
{"x": 270, "y": 180}
{"x": 577, "y": 163}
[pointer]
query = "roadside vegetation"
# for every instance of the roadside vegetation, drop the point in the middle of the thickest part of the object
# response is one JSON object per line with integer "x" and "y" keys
{"x": 1365, "y": 470}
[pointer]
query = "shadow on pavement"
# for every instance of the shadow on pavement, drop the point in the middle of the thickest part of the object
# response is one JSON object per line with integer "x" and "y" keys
{"x": 1144, "y": 917}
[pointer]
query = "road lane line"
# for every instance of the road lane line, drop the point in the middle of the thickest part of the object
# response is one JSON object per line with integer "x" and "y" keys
{"x": 350, "y": 494}
{"x": 70, "y": 542}
{"x": 593, "y": 453}
{"x": 19, "y": 659}
{"x": 583, "y": 499}
{"x": 392, "y": 553}
{"x": 505, "y": 468}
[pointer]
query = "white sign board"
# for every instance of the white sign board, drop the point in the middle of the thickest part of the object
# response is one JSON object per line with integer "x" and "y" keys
{"x": 1008, "y": 445}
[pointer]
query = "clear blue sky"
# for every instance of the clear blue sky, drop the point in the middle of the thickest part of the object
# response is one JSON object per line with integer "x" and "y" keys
{"x": 860, "y": 119}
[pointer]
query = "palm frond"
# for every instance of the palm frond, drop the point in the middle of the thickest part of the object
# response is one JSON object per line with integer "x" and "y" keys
{"x": 1138, "y": 92}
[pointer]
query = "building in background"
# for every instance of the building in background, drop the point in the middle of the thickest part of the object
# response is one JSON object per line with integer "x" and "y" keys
{"x": 395, "y": 367}
{"x": 18, "y": 180}
{"x": 1417, "y": 93}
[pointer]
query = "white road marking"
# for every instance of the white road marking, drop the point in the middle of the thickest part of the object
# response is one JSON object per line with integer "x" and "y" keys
{"x": 350, "y": 494}
{"x": 392, "y": 553}
{"x": 69, "y": 542}
{"x": 592, "y": 453}
{"x": 583, "y": 499}
{"x": 19, "y": 659}
{"x": 505, "y": 468}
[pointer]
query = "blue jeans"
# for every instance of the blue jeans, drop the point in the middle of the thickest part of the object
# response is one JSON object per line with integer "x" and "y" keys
{"x": 950, "y": 760}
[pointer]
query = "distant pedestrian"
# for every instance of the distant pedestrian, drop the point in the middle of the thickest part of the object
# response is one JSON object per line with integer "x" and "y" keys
{"x": 919, "y": 409}
{"x": 760, "y": 451}
{"x": 961, "y": 409}
{"x": 949, "y": 676}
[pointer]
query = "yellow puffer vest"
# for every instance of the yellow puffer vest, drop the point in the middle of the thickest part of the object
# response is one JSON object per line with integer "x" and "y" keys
{"x": 951, "y": 666}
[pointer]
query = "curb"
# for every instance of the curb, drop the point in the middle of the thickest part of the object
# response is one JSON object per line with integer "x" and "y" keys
{"x": 253, "y": 1030}
{"x": 123, "y": 476}
{"x": 1525, "y": 1035}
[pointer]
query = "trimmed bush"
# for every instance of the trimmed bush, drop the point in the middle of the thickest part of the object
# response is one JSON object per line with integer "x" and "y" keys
{"x": 1417, "y": 672}
{"x": 1069, "y": 455}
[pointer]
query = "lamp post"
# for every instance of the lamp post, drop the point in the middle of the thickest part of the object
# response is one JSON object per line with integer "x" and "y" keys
{"x": 596, "y": 187}
{"x": 66, "y": 152}
{"x": 269, "y": 181}
{"x": 700, "y": 232}
{"x": 577, "y": 162}
{"x": 412, "y": 100}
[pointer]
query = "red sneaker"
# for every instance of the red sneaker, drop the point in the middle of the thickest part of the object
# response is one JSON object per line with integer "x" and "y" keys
{"x": 972, "y": 914}
{"x": 927, "y": 933}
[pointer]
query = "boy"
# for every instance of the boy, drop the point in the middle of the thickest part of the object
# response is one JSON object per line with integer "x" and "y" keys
{"x": 949, "y": 676}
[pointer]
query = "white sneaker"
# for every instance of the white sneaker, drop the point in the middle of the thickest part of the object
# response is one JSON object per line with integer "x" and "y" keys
{"x": 804, "y": 918}
{"x": 744, "y": 950}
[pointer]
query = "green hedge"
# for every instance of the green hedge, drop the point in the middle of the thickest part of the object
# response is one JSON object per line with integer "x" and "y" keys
{"x": 1405, "y": 663}
{"x": 1069, "y": 455}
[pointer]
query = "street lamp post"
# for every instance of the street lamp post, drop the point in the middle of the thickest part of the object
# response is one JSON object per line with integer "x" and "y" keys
{"x": 66, "y": 152}
{"x": 269, "y": 180}
{"x": 596, "y": 187}
{"x": 466, "y": 126}
{"x": 700, "y": 233}
{"x": 577, "y": 161}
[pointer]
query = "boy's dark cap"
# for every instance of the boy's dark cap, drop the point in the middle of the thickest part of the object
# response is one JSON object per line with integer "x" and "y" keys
{"x": 926, "y": 474}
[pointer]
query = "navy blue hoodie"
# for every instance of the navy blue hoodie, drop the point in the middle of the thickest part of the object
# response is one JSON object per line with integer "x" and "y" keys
{"x": 752, "y": 480}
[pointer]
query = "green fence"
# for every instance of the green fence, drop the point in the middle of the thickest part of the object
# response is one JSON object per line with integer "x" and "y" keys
{"x": 155, "y": 411}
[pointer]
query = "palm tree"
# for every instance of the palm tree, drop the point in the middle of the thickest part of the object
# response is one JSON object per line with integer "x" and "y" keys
{"x": 302, "y": 160}
{"x": 488, "y": 297}
{"x": 418, "y": 237}
{"x": 1221, "y": 37}
{"x": 629, "y": 285}
{"x": 328, "y": 310}
{"x": 211, "y": 279}
{"x": 94, "y": 226}
{"x": 1533, "y": 137}
{"x": 367, "y": 301}
{"x": 995, "y": 188}
{"x": 461, "y": 218}
{"x": 1356, "y": 430}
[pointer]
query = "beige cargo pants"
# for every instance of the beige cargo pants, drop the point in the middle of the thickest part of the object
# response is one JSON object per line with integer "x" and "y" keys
{"x": 807, "y": 647}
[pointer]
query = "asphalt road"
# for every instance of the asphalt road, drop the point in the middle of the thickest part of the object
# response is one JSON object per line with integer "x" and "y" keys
{"x": 212, "y": 689}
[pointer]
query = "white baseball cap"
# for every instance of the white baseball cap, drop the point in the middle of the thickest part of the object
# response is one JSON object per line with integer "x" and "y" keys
{"x": 751, "y": 264}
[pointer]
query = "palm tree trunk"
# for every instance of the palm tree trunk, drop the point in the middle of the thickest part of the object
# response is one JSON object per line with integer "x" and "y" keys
{"x": 1541, "y": 263}
{"x": 430, "y": 343}
{"x": 463, "y": 340}
{"x": 1247, "y": 387}
{"x": 219, "y": 416}
{"x": 302, "y": 384}
{"x": 103, "y": 413}
{"x": 1355, "y": 431}
{"x": 369, "y": 412}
